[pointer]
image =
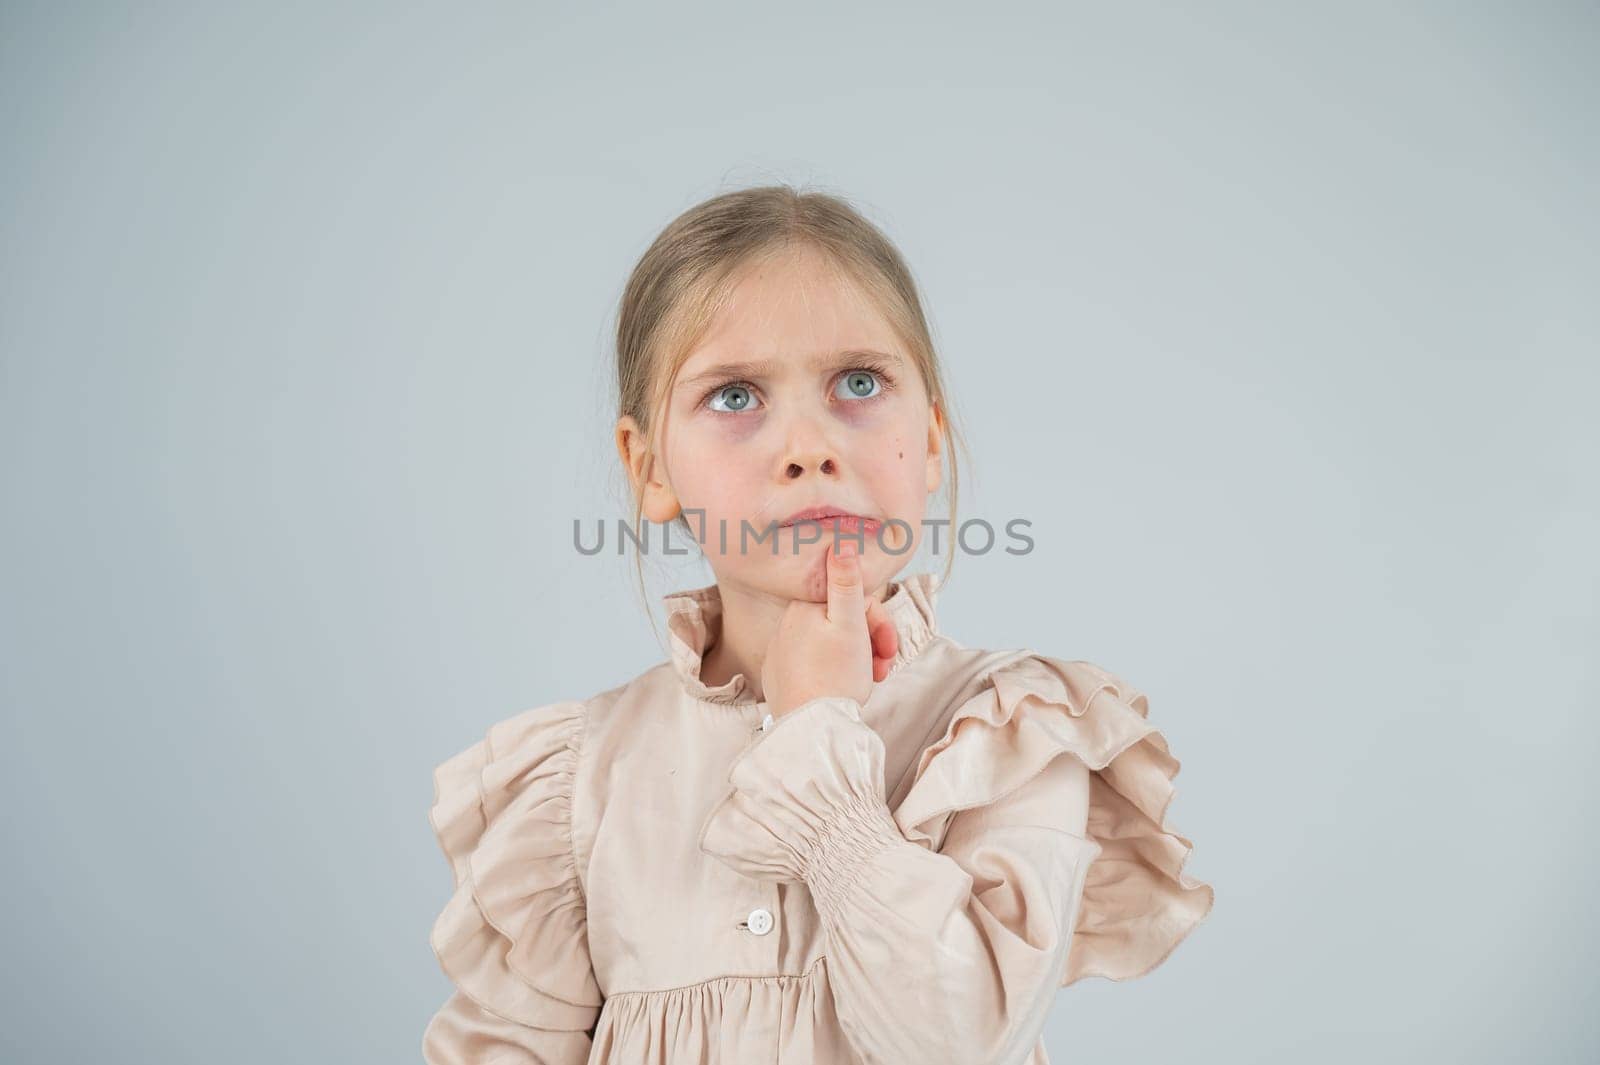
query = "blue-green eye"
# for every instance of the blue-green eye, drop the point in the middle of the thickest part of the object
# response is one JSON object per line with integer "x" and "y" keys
{"x": 736, "y": 397}
{"x": 859, "y": 384}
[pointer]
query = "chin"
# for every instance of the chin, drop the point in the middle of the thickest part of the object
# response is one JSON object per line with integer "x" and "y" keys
{"x": 803, "y": 578}
{"x": 813, "y": 587}
{"x": 811, "y": 582}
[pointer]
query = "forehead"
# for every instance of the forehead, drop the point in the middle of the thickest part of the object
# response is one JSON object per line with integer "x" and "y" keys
{"x": 792, "y": 309}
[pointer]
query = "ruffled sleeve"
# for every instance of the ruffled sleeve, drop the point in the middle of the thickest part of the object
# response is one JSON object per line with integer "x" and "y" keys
{"x": 987, "y": 881}
{"x": 1138, "y": 904}
{"x": 513, "y": 937}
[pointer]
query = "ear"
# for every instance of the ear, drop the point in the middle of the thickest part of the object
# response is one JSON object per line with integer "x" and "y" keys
{"x": 645, "y": 472}
{"x": 935, "y": 447}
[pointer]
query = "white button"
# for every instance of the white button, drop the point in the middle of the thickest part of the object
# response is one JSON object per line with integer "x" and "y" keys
{"x": 759, "y": 922}
{"x": 766, "y": 723}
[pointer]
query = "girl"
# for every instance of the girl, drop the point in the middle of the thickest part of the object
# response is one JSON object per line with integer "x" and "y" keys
{"x": 821, "y": 830}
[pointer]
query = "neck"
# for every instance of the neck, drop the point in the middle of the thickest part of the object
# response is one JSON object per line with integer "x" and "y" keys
{"x": 750, "y": 619}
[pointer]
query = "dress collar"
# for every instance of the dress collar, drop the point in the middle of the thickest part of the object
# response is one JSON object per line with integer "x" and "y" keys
{"x": 694, "y": 620}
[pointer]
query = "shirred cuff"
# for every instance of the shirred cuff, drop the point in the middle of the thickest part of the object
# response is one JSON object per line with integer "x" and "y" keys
{"x": 806, "y": 802}
{"x": 833, "y": 862}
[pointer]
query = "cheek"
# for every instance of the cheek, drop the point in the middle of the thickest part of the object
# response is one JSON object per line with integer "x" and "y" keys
{"x": 719, "y": 475}
{"x": 893, "y": 466}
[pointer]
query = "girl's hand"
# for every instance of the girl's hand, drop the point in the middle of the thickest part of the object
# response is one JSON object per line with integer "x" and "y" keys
{"x": 841, "y": 647}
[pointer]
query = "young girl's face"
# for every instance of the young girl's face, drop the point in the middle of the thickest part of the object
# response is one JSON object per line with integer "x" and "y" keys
{"x": 799, "y": 396}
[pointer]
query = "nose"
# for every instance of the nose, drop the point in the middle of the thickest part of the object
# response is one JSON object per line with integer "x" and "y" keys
{"x": 797, "y": 466}
{"x": 808, "y": 450}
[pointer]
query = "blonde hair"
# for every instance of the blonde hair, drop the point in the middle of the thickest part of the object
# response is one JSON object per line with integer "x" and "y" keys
{"x": 687, "y": 274}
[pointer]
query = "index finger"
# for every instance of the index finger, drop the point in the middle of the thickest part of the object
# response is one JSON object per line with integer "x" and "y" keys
{"x": 845, "y": 595}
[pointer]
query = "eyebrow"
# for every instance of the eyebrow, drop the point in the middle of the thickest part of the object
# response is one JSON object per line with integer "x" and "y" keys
{"x": 758, "y": 368}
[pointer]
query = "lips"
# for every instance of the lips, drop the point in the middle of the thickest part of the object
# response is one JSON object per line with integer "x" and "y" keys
{"x": 833, "y": 517}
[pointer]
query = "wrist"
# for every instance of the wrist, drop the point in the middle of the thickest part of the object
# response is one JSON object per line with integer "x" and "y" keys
{"x": 788, "y": 705}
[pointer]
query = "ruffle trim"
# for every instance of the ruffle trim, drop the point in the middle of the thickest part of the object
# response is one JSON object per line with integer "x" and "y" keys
{"x": 694, "y": 623}
{"x": 514, "y": 935}
{"x": 1137, "y": 903}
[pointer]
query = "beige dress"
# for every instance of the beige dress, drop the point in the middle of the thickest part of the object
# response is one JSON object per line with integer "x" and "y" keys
{"x": 663, "y": 875}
